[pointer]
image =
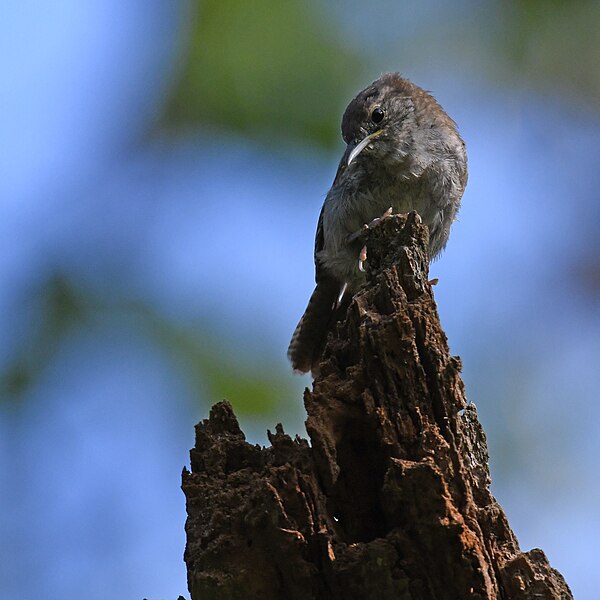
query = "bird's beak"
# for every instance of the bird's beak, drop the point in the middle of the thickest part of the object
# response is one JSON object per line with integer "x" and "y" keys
{"x": 356, "y": 150}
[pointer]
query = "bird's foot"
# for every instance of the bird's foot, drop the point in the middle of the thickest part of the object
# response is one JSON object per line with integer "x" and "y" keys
{"x": 377, "y": 220}
{"x": 361, "y": 232}
{"x": 362, "y": 257}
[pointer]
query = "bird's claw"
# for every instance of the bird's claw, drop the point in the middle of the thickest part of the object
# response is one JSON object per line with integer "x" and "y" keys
{"x": 367, "y": 226}
{"x": 377, "y": 220}
{"x": 362, "y": 257}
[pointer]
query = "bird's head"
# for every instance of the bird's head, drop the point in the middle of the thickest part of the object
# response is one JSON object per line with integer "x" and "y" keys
{"x": 390, "y": 120}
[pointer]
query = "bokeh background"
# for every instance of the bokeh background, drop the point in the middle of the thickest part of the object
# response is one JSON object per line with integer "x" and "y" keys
{"x": 162, "y": 167}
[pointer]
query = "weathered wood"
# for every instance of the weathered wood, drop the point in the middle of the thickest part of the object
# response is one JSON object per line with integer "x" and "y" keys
{"x": 391, "y": 499}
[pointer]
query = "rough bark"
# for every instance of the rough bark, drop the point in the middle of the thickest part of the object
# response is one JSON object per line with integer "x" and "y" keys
{"x": 391, "y": 498}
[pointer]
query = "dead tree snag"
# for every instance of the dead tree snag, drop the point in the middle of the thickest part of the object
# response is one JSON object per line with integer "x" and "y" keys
{"x": 390, "y": 500}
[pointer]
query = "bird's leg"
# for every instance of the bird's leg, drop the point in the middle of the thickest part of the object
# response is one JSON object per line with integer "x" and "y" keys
{"x": 362, "y": 257}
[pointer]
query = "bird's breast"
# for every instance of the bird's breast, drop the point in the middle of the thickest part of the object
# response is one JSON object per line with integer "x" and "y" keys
{"x": 355, "y": 201}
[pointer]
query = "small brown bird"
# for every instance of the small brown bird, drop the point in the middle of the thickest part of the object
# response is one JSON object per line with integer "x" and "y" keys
{"x": 403, "y": 154}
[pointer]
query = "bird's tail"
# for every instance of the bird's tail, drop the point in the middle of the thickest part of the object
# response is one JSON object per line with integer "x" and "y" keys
{"x": 310, "y": 335}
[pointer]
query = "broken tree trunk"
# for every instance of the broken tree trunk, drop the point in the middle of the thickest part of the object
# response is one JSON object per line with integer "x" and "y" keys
{"x": 391, "y": 498}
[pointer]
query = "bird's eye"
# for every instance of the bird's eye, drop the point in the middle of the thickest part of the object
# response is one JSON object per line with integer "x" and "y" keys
{"x": 377, "y": 115}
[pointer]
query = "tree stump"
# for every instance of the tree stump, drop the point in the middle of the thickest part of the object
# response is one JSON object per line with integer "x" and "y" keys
{"x": 390, "y": 500}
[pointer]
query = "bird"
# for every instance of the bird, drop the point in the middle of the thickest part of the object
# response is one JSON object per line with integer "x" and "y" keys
{"x": 403, "y": 153}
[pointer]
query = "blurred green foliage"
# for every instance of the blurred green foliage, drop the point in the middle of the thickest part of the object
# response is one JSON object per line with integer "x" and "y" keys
{"x": 274, "y": 70}
{"x": 211, "y": 366}
{"x": 269, "y": 69}
{"x": 60, "y": 310}
{"x": 556, "y": 44}
{"x": 206, "y": 361}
